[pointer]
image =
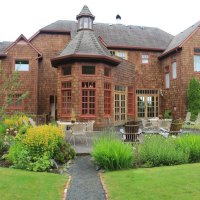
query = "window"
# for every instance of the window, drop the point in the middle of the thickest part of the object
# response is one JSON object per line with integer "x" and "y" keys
{"x": 197, "y": 63}
{"x": 67, "y": 70}
{"x": 121, "y": 54}
{"x": 88, "y": 98}
{"x": 66, "y": 97}
{"x": 107, "y": 71}
{"x": 167, "y": 78}
{"x": 130, "y": 100}
{"x": 85, "y": 22}
{"x": 145, "y": 58}
{"x": 88, "y": 69}
{"x": 174, "y": 70}
{"x": 21, "y": 65}
{"x": 107, "y": 98}
{"x": 15, "y": 101}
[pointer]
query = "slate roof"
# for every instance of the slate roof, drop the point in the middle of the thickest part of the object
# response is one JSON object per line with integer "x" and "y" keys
{"x": 85, "y": 42}
{"x": 181, "y": 37}
{"x": 120, "y": 35}
{"x": 85, "y": 12}
{"x": 3, "y": 46}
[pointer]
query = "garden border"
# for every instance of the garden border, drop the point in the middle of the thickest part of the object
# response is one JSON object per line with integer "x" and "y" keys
{"x": 66, "y": 188}
{"x": 104, "y": 186}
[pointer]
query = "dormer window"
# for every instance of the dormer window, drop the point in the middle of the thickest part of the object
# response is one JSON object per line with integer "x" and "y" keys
{"x": 85, "y": 19}
{"x": 85, "y": 23}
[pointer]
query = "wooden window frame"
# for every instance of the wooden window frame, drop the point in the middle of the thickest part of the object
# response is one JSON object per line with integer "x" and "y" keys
{"x": 66, "y": 89}
{"x": 88, "y": 86}
{"x": 194, "y": 62}
{"x": 88, "y": 74}
{"x": 64, "y": 67}
{"x": 107, "y": 99}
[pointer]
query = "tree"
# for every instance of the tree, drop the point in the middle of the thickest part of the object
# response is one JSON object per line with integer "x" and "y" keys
{"x": 194, "y": 97}
{"x": 8, "y": 86}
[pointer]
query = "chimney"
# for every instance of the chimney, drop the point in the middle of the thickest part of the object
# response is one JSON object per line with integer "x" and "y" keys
{"x": 118, "y": 18}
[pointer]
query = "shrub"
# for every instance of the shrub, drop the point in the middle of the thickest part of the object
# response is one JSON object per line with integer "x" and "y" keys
{"x": 190, "y": 144}
{"x": 110, "y": 153}
{"x": 15, "y": 120}
{"x": 35, "y": 149}
{"x": 64, "y": 152}
{"x": 40, "y": 139}
{"x": 2, "y": 128}
{"x": 158, "y": 151}
{"x": 168, "y": 114}
{"x": 5, "y": 143}
{"x": 193, "y": 98}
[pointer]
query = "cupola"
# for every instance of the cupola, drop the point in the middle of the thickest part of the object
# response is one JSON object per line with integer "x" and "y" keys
{"x": 85, "y": 19}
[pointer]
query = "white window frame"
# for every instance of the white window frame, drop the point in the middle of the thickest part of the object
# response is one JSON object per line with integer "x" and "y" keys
{"x": 145, "y": 58}
{"x": 174, "y": 72}
{"x": 22, "y": 67}
{"x": 197, "y": 63}
{"x": 167, "y": 80}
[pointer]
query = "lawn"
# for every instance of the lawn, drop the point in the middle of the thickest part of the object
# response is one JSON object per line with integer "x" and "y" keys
{"x": 174, "y": 182}
{"x": 23, "y": 185}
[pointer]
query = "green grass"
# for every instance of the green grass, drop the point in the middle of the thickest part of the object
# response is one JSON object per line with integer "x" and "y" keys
{"x": 23, "y": 185}
{"x": 166, "y": 183}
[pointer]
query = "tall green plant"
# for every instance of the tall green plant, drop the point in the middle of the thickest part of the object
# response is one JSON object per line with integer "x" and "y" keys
{"x": 194, "y": 97}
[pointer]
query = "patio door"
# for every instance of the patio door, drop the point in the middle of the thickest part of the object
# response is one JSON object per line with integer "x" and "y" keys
{"x": 120, "y": 108}
{"x": 147, "y": 104}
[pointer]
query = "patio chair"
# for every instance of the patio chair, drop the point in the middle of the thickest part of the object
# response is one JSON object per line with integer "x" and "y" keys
{"x": 79, "y": 130}
{"x": 90, "y": 126}
{"x": 25, "y": 122}
{"x": 187, "y": 118}
{"x": 197, "y": 121}
{"x": 175, "y": 129}
{"x": 131, "y": 133}
{"x": 32, "y": 122}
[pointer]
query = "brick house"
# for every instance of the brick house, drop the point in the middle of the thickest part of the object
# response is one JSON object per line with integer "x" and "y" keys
{"x": 106, "y": 72}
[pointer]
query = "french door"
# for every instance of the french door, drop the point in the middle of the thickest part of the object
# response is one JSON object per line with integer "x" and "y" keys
{"x": 147, "y": 106}
{"x": 120, "y": 107}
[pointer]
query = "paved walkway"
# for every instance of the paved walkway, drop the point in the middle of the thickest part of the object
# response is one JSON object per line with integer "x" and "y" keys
{"x": 85, "y": 184}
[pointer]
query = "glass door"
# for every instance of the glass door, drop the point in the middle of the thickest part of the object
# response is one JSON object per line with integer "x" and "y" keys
{"x": 120, "y": 107}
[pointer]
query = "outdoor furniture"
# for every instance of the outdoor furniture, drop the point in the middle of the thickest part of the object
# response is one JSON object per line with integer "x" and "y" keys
{"x": 90, "y": 126}
{"x": 25, "y": 122}
{"x": 79, "y": 130}
{"x": 175, "y": 129}
{"x": 187, "y": 118}
{"x": 132, "y": 132}
{"x": 148, "y": 127}
{"x": 32, "y": 122}
{"x": 197, "y": 121}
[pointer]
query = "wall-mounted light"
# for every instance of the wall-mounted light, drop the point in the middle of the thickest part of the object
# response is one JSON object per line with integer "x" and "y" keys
{"x": 162, "y": 92}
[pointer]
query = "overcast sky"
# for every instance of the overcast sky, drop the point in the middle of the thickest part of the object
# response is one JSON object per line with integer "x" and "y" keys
{"x": 28, "y": 16}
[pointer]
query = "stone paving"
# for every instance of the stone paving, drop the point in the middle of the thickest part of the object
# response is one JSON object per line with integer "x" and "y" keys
{"x": 85, "y": 183}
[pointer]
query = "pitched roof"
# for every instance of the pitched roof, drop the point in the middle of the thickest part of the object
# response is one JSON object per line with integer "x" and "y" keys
{"x": 119, "y": 35}
{"x": 85, "y": 45}
{"x": 179, "y": 39}
{"x": 3, "y": 46}
{"x": 85, "y": 12}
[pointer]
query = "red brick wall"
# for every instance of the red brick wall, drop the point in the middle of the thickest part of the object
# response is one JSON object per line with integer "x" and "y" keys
{"x": 51, "y": 46}
{"x": 172, "y": 98}
{"x": 28, "y": 79}
{"x": 177, "y": 94}
{"x": 122, "y": 74}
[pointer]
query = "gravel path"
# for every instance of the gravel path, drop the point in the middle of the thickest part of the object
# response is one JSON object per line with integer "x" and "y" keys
{"x": 85, "y": 184}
